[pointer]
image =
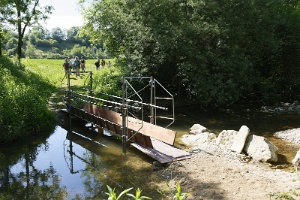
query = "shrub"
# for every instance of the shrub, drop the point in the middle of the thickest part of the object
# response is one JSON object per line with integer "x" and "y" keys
{"x": 23, "y": 102}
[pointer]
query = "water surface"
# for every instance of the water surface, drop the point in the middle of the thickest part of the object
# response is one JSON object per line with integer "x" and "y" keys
{"x": 77, "y": 162}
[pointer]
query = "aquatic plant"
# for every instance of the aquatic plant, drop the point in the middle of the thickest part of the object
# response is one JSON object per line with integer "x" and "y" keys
{"x": 180, "y": 195}
{"x": 112, "y": 195}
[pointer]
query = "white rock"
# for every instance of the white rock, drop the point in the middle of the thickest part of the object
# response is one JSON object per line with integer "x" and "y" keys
{"x": 195, "y": 140}
{"x": 225, "y": 138}
{"x": 197, "y": 129}
{"x": 261, "y": 149}
{"x": 296, "y": 160}
{"x": 291, "y": 135}
{"x": 240, "y": 139}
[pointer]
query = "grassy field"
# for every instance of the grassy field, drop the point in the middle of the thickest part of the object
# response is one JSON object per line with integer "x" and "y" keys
{"x": 28, "y": 90}
{"x": 53, "y": 70}
{"x": 106, "y": 80}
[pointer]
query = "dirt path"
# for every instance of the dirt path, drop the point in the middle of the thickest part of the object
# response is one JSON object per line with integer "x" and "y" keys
{"x": 208, "y": 176}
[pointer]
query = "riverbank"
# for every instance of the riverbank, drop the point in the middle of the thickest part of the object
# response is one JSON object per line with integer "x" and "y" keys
{"x": 214, "y": 176}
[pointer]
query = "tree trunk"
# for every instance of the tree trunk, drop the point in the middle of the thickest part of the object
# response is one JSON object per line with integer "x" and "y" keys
{"x": 1, "y": 40}
{"x": 19, "y": 48}
{"x": 20, "y": 36}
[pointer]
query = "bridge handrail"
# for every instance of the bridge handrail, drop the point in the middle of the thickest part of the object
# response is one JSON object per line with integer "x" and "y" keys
{"x": 119, "y": 104}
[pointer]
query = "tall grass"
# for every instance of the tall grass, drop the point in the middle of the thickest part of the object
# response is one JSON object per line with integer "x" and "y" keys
{"x": 23, "y": 101}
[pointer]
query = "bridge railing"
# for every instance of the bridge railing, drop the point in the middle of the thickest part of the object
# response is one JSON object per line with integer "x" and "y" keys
{"x": 130, "y": 104}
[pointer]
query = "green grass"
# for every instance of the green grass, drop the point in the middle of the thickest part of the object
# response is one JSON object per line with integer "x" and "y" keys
{"x": 23, "y": 102}
{"x": 25, "y": 90}
{"x": 52, "y": 70}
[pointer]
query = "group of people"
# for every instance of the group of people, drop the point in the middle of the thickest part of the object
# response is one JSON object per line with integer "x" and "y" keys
{"x": 74, "y": 64}
{"x": 102, "y": 63}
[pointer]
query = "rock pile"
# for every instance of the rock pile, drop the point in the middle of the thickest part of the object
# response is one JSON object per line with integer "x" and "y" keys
{"x": 230, "y": 143}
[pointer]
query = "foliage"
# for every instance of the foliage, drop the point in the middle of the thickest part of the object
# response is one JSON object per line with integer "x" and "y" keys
{"x": 25, "y": 91}
{"x": 55, "y": 44}
{"x": 23, "y": 14}
{"x": 180, "y": 195}
{"x": 113, "y": 196}
{"x": 173, "y": 191}
{"x": 282, "y": 196}
{"x": 108, "y": 80}
{"x": 138, "y": 196}
{"x": 23, "y": 106}
{"x": 213, "y": 52}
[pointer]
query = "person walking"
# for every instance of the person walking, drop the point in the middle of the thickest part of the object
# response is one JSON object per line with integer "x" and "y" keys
{"x": 97, "y": 64}
{"x": 72, "y": 63}
{"x": 66, "y": 67}
{"x": 103, "y": 63}
{"x": 82, "y": 64}
{"x": 77, "y": 65}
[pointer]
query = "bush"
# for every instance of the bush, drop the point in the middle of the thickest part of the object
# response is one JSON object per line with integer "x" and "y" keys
{"x": 23, "y": 102}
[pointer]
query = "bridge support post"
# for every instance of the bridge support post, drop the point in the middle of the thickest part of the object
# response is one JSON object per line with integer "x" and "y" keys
{"x": 124, "y": 115}
{"x": 91, "y": 83}
{"x": 151, "y": 100}
{"x": 69, "y": 101}
{"x": 100, "y": 130}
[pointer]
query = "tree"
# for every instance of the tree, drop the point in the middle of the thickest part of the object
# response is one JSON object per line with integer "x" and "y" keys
{"x": 11, "y": 40}
{"x": 23, "y": 14}
{"x": 38, "y": 32}
{"x": 57, "y": 34}
{"x": 2, "y": 30}
{"x": 72, "y": 33}
{"x": 1, "y": 38}
{"x": 215, "y": 52}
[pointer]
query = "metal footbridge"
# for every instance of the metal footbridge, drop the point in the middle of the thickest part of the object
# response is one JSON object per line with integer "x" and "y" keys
{"x": 124, "y": 116}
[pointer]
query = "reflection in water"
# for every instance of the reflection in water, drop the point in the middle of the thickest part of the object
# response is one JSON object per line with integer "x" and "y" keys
{"x": 72, "y": 164}
{"x": 21, "y": 179}
{"x": 98, "y": 170}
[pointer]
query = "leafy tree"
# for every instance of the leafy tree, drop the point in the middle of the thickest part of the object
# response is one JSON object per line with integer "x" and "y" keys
{"x": 215, "y": 52}
{"x": 23, "y": 14}
{"x": 11, "y": 43}
{"x": 57, "y": 34}
{"x": 2, "y": 26}
{"x": 30, "y": 51}
{"x": 38, "y": 33}
{"x": 4, "y": 34}
{"x": 72, "y": 34}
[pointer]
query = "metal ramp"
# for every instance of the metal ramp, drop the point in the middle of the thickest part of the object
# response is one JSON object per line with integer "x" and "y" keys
{"x": 162, "y": 152}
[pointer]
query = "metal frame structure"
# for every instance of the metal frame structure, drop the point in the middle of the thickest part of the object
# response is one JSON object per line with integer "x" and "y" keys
{"x": 126, "y": 99}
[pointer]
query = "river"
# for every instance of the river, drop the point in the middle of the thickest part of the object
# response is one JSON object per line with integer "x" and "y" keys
{"x": 78, "y": 163}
